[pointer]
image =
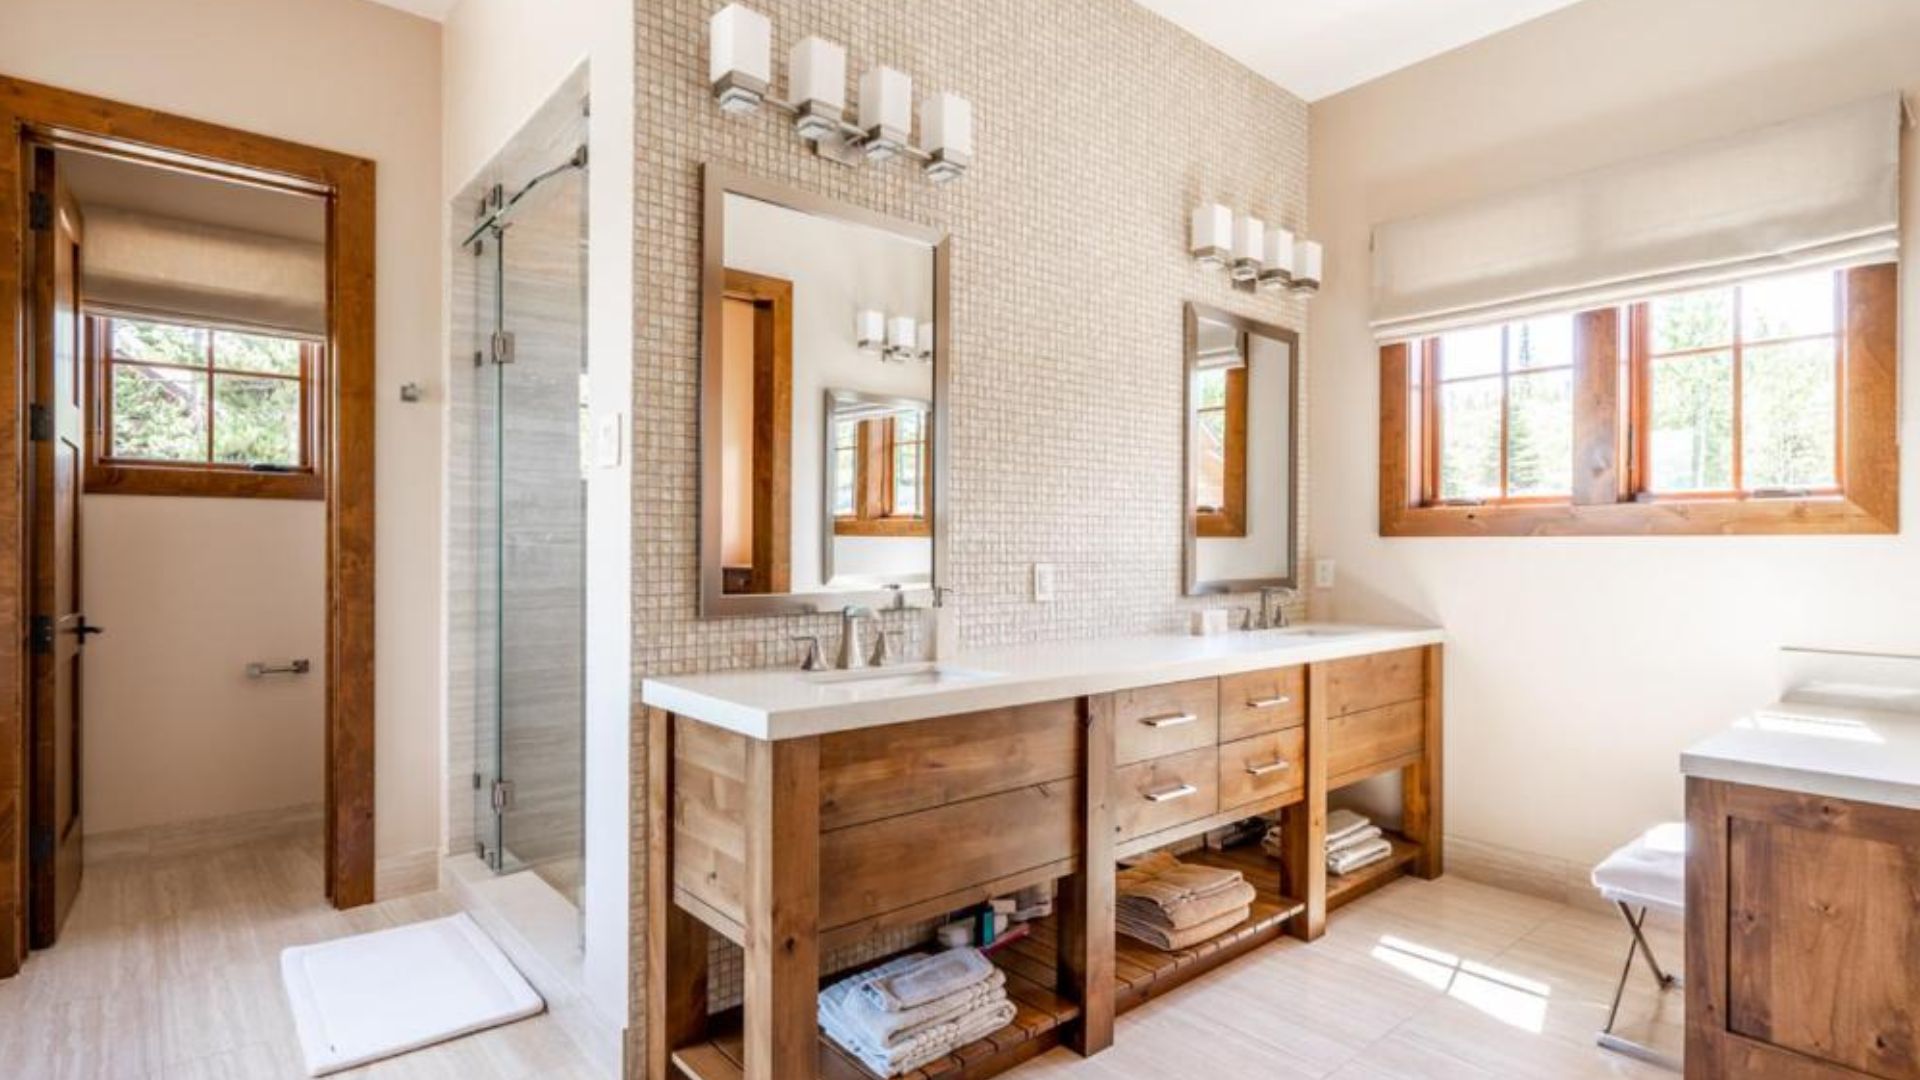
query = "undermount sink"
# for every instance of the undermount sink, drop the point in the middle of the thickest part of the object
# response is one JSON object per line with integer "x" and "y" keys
{"x": 901, "y": 676}
{"x": 1313, "y": 632}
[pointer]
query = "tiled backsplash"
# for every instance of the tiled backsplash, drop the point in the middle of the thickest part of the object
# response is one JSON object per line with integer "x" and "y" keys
{"x": 1098, "y": 127}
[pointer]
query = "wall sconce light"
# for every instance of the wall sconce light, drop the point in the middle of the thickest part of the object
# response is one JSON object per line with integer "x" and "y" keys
{"x": 924, "y": 351}
{"x": 741, "y": 61}
{"x": 870, "y": 330}
{"x": 902, "y": 337}
{"x": 740, "y": 67}
{"x": 896, "y": 339}
{"x": 1255, "y": 254}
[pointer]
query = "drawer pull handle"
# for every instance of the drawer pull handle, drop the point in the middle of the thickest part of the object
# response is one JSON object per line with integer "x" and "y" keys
{"x": 1270, "y": 702}
{"x": 1270, "y": 767}
{"x": 1172, "y": 793}
{"x": 1174, "y": 720}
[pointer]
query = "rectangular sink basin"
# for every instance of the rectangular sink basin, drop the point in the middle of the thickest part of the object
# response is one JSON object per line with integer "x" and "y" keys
{"x": 900, "y": 676}
{"x": 1312, "y": 632}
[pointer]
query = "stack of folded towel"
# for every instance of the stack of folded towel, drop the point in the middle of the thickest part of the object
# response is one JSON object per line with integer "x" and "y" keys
{"x": 1170, "y": 904}
{"x": 1353, "y": 842}
{"x": 916, "y": 1009}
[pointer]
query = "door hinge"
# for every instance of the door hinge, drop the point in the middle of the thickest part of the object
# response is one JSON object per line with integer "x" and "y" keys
{"x": 502, "y": 796}
{"x": 39, "y": 423}
{"x": 41, "y": 845}
{"x": 502, "y": 347}
{"x": 476, "y": 781}
{"x": 39, "y": 211}
{"x": 43, "y": 634}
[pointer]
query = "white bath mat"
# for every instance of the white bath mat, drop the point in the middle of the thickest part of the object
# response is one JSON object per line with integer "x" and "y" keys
{"x": 360, "y": 999}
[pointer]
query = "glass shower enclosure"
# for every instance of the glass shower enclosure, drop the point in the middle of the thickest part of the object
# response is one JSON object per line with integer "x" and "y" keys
{"x": 520, "y": 493}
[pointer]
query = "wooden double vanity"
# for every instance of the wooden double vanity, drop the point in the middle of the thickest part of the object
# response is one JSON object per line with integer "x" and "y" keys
{"x": 796, "y": 813}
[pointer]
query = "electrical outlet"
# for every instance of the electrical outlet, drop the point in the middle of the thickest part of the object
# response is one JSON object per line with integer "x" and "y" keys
{"x": 1043, "y": 583}
{"x": 1323, "y": 573}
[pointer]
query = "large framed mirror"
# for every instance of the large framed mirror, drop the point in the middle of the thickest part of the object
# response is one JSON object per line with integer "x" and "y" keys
{"x": 1242, "y": 448}
{"x": 823, "y": 402}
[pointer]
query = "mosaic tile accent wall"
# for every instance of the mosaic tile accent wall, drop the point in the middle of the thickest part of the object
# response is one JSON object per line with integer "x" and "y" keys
{"x": 1098, "y": 127}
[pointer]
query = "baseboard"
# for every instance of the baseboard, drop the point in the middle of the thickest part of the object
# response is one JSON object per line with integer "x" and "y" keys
{"x": 406, "y": 874}
{"x": 1548, "y": 877}
{"x": 203, "y": 834}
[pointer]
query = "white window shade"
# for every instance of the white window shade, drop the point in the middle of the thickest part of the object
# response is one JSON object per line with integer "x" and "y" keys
{"x": 1818, "y": 191}
{"x": 141, "y": 264}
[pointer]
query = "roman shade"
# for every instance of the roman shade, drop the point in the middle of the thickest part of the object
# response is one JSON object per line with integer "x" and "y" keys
{"x": 1819, "y": 191}
{"x": 143, "y": 264}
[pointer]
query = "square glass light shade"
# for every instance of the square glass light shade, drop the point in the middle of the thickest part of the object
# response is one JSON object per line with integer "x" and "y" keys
{"x": 1276, "y": 268}
{"x": 1212, "y": 238}
{"x": 886, "y": 110}
{"x": 902, "y": 335}
{"x": 817, "y": 85}
{"x": 1306, "y": 269}
{"x": 924, "y": 347}
{"x": 1249, "y": 246}
{"x": 869, "y": 329}
{"x": 740, "y": 57}
{"x": 946, "y": 134}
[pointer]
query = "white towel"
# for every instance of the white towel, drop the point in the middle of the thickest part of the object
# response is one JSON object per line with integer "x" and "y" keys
{"x": 927, "y": 978}
{"x": 1346, "y": 862}
{"x": 1344, "y": 823}
{"x": 1354, "y": 840}
{"x": 842, "y": 1020}
{"x": 886, "y": 1029}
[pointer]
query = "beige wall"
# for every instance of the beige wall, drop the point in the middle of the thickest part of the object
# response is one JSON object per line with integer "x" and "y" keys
{"x": 354, "y": 77}
{"x": 1578, "y": 668}
{"x": 190, "y": 591}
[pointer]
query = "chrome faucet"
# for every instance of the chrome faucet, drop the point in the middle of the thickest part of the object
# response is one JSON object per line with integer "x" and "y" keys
{"x": 850, "y": 656}
{"x": 1272, "y": 616}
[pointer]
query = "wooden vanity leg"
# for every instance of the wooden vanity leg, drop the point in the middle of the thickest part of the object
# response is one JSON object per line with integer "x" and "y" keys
{"x": 676, "y": 945}
{"x": 1420, "y": 784}
{"x": 1304, "y": 825}
{"x": 782, "y": 979}
{"x": 1086, "y": 904}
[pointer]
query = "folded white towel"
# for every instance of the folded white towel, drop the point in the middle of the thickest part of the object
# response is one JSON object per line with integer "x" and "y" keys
{"x": 1346, "y": 862}
{"x": 927, "y": 978}
{"x": 928, "y": 1043}
{"x": 886, "y": 1029}
{"x": 1354, "y": 840}
{"x": 1344, "y": 823}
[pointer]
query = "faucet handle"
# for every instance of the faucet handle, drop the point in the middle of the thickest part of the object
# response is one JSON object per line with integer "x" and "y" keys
{"x": 812, "y": 661}
{"x": 885, "y": 645}
{"x": 856, "y": 611}
{"x": 940, "y": 594}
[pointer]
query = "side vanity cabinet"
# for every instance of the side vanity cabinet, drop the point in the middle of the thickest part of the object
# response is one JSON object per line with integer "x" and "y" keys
{"x": 796, "y": 847}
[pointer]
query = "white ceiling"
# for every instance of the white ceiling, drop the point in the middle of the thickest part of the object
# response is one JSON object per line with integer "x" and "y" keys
{"x": 96, "y": 180}
{"x": 1320, "y": 47}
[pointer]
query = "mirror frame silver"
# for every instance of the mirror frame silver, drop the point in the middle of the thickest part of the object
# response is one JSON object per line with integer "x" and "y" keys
{"x": 1189, "y": 540}
{"x": 719, "y": 181}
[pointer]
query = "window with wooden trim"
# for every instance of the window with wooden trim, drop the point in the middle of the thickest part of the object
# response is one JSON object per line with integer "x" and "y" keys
{"x": 186, "y": 408}
{"x": 1763, "y": 406}
{"x": 1220, "y": 420}
{"x": 880, "y": 476}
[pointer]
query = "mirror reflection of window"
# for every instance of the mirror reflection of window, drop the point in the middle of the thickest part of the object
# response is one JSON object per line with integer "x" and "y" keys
{"x": 1241, "y": 382}
{"x": 1220, "y": 432}
{"x": 880, "y": 472}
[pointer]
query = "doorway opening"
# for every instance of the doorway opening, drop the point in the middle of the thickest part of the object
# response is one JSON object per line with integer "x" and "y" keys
{"x": 188, "y": 364}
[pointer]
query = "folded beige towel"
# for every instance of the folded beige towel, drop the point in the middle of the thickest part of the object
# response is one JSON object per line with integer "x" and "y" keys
{"x": 1188, "y": 912}
{"x": 1177, "y": 894}
{"x": 1348, "y": 860}
{"x": 1169, "y": 940}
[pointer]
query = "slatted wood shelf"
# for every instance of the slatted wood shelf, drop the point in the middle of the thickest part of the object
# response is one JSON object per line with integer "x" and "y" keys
{"x": 1344, "y": 888}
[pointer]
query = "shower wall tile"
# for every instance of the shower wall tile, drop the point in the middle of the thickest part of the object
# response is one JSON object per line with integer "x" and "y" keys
{"x": 1099, "y": 127}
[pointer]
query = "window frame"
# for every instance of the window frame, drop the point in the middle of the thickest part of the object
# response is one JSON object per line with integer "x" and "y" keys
{"x": 873, "y": 487}
{"x": 1230, "y": 520}
{"x": 1609, "y": 454}
{"x": 106, "y": 474}
{"x": 1433, "y": 383}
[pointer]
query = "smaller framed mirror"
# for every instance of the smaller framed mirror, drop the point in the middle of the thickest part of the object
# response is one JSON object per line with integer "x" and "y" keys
{"x": 1242, "y": 448}
{"x": 878, "y": 458}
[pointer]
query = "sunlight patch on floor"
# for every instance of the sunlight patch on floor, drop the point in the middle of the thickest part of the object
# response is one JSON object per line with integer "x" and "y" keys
{"x": 1511, "y": 999}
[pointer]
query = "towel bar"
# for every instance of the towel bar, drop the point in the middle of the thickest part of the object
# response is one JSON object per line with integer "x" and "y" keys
{"x": 260, "y": 668}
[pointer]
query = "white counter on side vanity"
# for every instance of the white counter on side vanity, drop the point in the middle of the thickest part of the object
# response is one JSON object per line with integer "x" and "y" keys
{"x": 795, "y": 812}
{"x": 1803, "y": 879}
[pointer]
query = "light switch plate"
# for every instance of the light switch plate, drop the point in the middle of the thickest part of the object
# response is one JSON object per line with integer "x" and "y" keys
{"x": 1323, "y": 573}
{"x": 609, "y": 441}
{"x": 1042, "y": 583}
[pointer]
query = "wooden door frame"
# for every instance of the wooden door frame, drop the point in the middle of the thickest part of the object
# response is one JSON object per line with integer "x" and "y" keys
{"x": 45, "y": 114}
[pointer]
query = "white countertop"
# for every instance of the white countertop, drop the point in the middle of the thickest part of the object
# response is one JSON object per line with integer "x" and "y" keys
{"x": 1837, "y": 751}
{"x": 788, "y": 704}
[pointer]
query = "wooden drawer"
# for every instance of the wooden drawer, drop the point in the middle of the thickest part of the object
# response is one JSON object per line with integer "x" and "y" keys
{"x": 1155, "y": 721}
{"x": 1263, "y": 767}
{"x": 1359, "y": 742}
{"x": 883, "y": 772}
{"x": 885, "y": 865}
{"x": 1260, "y": 701}
{"x": 1370, "y": 682}
{"x": 1154, "y": 795}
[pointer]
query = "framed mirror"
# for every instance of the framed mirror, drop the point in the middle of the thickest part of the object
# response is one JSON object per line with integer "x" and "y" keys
{"x": 823, "y": 402}
{"x": 1242, "y": 447}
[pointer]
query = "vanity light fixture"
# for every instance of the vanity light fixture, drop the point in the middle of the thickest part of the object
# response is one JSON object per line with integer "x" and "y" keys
{"x": 1249, "y": 247}
{"x": 741, "y": 69}
{"x": 1306, "y": 277}
{"x": 1276, "y": 269}
{"x": 902, "y": 337}
{"x": 924, "y": 350}
{"x": 870, "y": 330}
{"x": 1212, "y": 235}
{"x": 741, "y": 59}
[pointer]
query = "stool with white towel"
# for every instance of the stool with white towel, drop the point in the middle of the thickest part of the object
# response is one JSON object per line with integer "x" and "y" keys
{"x": 1650, "y": 872}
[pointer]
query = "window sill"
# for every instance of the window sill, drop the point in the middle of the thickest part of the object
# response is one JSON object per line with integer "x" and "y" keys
{"x": 1823, "y": 514}
{"x": 130, "y": 479}
{"x": 883, "y": 527}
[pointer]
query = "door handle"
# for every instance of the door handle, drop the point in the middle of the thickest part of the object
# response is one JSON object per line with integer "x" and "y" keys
{"x": 81, "y": 631}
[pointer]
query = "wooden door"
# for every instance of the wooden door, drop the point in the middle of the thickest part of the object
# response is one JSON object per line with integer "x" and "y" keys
{"x": 58, "y": 627}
